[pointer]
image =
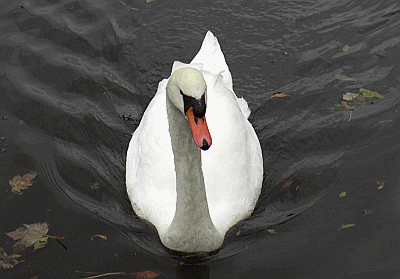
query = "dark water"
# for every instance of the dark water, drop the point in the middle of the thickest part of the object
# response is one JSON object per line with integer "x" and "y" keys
{"x": 76, "y": 77}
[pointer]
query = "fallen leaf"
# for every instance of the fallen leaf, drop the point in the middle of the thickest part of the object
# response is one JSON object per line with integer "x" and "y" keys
{"x": 345, "y": 48}
{"x": 350, "y": 96}
{"x": 19, "y": 183}
{"x": 100, "y": 236}
{"x": 41, "y": 243}
{"x": 95, "y": 186}
{"x": 287, "y": 184}
{"x": 28, "y": 235}
{"x": 371, "y": 94}
{"x": 380, "y": 185}
{"x": 278, "y": 95}
{"x": 380, "y": 53}
{"x": 345, "y": 105}
{"x": 346, "y": 226}
{"x": 272, "y": 231}
{"x": 345, "y": 78}
{"x": 8, "y": 261}
{"x": 147, "y": 275}
{"x": 149, "y": 1}
{"x": 342, "y": 194}
{"x": 238, "y": 233}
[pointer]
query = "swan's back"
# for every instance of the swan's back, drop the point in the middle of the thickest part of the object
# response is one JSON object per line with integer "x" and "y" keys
{"x": 232, "y": 167}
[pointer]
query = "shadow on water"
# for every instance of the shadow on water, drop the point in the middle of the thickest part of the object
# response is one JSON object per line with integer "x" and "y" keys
{"x": 77, "y": 76}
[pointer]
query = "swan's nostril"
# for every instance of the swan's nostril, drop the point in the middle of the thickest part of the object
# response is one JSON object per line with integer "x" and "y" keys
{"x": 205, "y": 145}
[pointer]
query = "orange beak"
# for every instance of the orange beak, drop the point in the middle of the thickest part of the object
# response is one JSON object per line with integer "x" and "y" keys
{"x": 198, "y": 126}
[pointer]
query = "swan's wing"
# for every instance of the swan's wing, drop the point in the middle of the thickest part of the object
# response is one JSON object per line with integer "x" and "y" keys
{"x": 152, "y": 193}
{"x": 233, "y": 165}
{"x": 212, "y": 59}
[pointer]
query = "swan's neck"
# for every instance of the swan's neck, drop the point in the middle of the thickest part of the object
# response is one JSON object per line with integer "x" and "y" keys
{"x": 192, "y": 229}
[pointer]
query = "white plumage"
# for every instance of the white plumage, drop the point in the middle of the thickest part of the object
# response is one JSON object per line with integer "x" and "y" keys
{"x": 232, "y": 167}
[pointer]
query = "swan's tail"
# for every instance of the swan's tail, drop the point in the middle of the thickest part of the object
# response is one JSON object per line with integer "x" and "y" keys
{"x": 213, "y": 60}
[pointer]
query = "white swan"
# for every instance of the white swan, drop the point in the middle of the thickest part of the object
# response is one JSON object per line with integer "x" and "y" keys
{"x": 194, "y": 196}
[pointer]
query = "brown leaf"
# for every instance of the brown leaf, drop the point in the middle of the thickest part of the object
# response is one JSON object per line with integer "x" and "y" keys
{"x": 28, "y": 235}
{"x": 95, "y": 186}
{"x": 18, "y": 183}
{"x": 146, "y": 275}
{"x": 100, "y": 236}
{"x": 278, "y": 95}
{"x": 287, "y": 184}
{"x": 7, "y": 261}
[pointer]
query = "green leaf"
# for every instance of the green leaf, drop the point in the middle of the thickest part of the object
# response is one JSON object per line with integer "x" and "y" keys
{"x": 342, "y": 194}
{"x": 345, "y": 48}
{"x": 15, "y": 256}
{"x": 41, "y": 243}
{"x": 346, "y": 226}
{"x": 371, "y": 94}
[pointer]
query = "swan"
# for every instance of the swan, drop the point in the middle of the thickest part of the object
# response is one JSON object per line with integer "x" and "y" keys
{"x": 194, "y": 164}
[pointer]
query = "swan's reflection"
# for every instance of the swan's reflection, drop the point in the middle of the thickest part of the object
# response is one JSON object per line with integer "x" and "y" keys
{"x": 192, "y": 271}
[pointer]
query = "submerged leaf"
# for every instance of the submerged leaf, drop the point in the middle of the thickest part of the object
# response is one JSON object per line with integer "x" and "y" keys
{"x": 342, "y": 194}
{"x": 272, "y": 231}
{"x": 346, "y": 226}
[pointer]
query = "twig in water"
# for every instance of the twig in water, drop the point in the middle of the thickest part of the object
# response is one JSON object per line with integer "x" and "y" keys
{"x": 351, "y": 113}
{"x": 127, "y": 5}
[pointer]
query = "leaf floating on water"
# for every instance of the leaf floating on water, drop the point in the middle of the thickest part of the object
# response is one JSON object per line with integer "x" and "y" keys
{"x": 28, "y": 235}
{"x": 346, "y": 106}
{"x": 346, "y": 226}
{"x": 95, "y": 186}
{"x": 100, "y": 236}
{"x": 380, "y": 185}
{"x": 380, "y": 53}
{"x": 370, "y": 94}
{"x": 41, "y": 243}
{"x": 19, "y": 183}
{"x": 272, "y": 231}
{"x": 278, "y": 95}
{"x": 350, "y": 96}
{"x": 345, "y": 48}
{"x": 147, "y": 275}
{"x": 345, "y": 78}
{"x": 342, "y": 194}
{"x": 8, "y": 261}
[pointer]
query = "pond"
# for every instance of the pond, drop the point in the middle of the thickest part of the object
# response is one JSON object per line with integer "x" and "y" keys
{"x": 76, "y": 77}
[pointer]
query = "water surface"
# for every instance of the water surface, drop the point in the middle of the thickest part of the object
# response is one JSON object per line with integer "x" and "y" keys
{"x": 76, "y": 77}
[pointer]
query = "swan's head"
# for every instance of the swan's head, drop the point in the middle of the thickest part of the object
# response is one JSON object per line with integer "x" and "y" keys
{"x": 187, "y": 91}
